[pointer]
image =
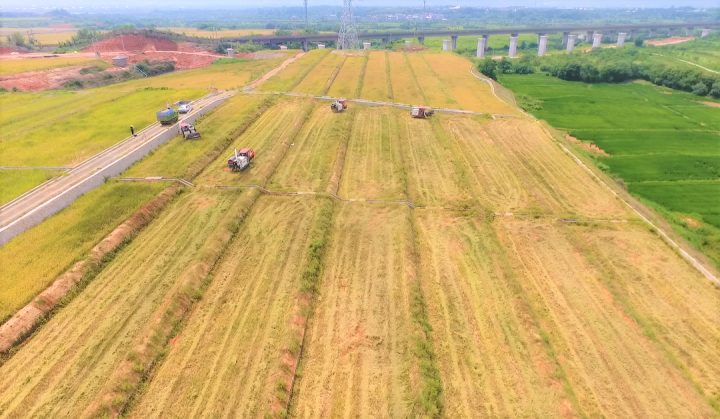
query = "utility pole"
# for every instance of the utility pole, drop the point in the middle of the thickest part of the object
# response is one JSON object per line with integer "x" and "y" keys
{"x": 307, "y": 24}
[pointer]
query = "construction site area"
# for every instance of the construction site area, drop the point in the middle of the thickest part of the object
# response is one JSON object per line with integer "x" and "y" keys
{"x": 323, "y": 234}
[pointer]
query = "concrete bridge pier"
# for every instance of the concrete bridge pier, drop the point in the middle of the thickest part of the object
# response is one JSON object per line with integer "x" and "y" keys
{"x": 652, "y": 33}
{"x": 705, "y": 32}
{"x": 305, "y": 46}
{"x": 671, "y": 32}
{"x": 481, "y": 47}
{"x": 454, "y": 42}
{"x": 621, "y": 39}
{"x": 565, "y": 38}
{"x": 589, "y": 37}
{"x": 542, "y": 45}
{"x": 487, "y": 41}
{"x": 446, "y": 45}
{"x": 540, "y": 35}
{"x": 571, "y": 42}
{"x": 632, "y": 35}
{"x": 421, "y": 40}
{"x": 690, "y": 31}
{"x": 597, "y": 40}
{"x": 512, "y": 53}
{"x": 613, "y": 36}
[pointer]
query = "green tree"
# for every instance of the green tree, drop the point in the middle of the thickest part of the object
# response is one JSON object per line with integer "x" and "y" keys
{"x": 700, "y": 89}
{"x": 488, "y": 67}
{"x": 715, "y": 91}
{"x": 638, "y": 42}
{"x": 16, "y": 39}
{"x": 505, "y": 66}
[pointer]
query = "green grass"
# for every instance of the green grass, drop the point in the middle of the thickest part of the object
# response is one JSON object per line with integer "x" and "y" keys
{"x": 704, "y": 52}
{"x": 14, "y": 183}
{"x": 32, "y": 260}
{"x": 664, "y": 144}
{"x": 64, "y": 129}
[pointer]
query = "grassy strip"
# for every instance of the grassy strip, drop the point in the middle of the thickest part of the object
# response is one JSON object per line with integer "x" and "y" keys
{"x": 361, "y": 79}
{"x": 389, "y": 81}
{"x": 414, "y": 77}
{"x": 428, "y": 401}
{"x": 334, "y": 75}
{"x": 538, "y": 316}
{"x": 90, "y": 267}
{"x": 199, "y": 165}
{"x": 139, "y": 363}
{"x": 304, "y": 305}
{"x": 334, "y": 185}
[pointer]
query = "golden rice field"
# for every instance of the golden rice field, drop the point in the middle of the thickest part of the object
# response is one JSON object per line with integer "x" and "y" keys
{"x": 45, "y": 36}
{"x": 289, "y": 77}
{"x": 14, "y": 66}
{"x": 441, "y": 280}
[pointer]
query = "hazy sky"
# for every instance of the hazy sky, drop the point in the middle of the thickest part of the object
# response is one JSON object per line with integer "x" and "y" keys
{"x": 227, "y": 4}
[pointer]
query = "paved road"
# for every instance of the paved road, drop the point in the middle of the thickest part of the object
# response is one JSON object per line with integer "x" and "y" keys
{"x": 26, "y": 203}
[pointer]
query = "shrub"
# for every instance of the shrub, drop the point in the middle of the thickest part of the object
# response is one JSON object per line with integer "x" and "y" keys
{"x": 74, "y": 84}
{"x": 639, "y": 42}
{"x": 488, "y": 67}
{"x": 700, "y": 89}
{"x": 715, "y": 91}
{"x": 16, "y": 39}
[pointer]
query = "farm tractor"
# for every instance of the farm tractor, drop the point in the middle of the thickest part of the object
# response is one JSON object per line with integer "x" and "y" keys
{"x": 189, "y": 132}
{"x": 421, "y": 112}
{"x": 241, "y": 160}
{"x": 339, "y": 105}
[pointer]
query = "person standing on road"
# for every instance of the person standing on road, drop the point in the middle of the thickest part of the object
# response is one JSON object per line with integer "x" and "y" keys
{"x": 132, "y": 130}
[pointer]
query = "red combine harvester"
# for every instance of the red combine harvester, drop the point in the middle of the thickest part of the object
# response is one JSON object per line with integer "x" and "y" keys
{"x": 339, "y": 105}
{"x": 421, "y": 112}
{"x": 241, "y": 160}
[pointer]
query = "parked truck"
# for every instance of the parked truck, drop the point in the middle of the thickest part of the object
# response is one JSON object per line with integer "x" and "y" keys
{"x": 168, "y": 116}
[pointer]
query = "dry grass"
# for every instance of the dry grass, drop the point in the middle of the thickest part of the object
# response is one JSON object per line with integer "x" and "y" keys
{"x": 308, "y": 165}
{"x": 469, "y": 93}
{"x": 373, "y": 164}
{"x": 61, "y": 370}
{"x": 270, "y": 136}
{"x": 346, "y": 82}
{"x": 404, "y": 87}
{"x": 375, "y": 84}
{"x": 357, "y": 356}
{"x": 317, "y": 81}
{"x": 289, "y": 77}
{"x": 221, "y": 363}
{"x": 226, "y": 33}
{"x": 435, "y": 92}
{"x": 555, "y": 182}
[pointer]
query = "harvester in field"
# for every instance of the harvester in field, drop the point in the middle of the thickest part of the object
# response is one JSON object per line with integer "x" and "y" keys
{"x": 189, "y": 132}
{"x": 421, "y": 112}
{"x": 241, "y": 160}
{"x": 339, "y": 105}
{"x": 168, "y": 116}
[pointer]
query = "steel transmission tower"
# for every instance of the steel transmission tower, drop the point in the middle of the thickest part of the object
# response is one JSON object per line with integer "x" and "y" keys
{"x": 348, "y": 37}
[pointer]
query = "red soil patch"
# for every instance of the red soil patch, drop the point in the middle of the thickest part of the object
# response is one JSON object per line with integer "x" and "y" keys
{"x": 52, "y": 79}
{"x": 588, "y": 147}
{"x": 669, "y": 41}
{"x": 691, "y": 222}
{"x": 133, "y": 43}
{"x": 7, "y": 50}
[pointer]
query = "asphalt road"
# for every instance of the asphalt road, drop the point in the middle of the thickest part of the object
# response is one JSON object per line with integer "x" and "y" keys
{"x": 26, "y": 203}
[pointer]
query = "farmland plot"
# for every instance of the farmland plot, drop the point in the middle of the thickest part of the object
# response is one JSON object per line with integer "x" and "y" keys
{"x": 349, "y": 77}
{"x": 404, "y": 86}
{"x": 14, "y": 183}
{"x": 358, "y": 352}
{"x": 21, "y": 66}
{"x": 32, "y": 260}
{"x": 184, "y": 158}
{"x": 373, "y": 164}
{"x": 308, "y": 165}
{"x": 499, "y": 187}
{"x": 610, "y": 362}
{"x": 435, "y": 175}
{"x": 222, "y": 362}
{"x": 289, "y": 77}
{"x": 89, "y": 126}
{"x": 469, "y": 93}
{"x": 553, "y": 179}
{"x": 270, "y": 136}
{"x": 375, "y": 83}
{"x": 492, "y": 363}
{"x": 63, "y": 368}
{"x": 435, "y": 93}
{"x": 318, "y": 80}
{"x": 669, "y": 299}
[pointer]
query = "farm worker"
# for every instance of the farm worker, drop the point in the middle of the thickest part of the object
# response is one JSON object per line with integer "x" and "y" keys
{"x": 132, "y": 130}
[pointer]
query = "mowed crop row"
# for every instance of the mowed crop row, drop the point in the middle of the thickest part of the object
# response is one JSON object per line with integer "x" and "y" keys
{"x": 348, "y": 79}
{"x": 542, "y": 319}
{"x": 287, "y": 78}
{"x": 318, "y": 81}
{"x": 65, "y": 368}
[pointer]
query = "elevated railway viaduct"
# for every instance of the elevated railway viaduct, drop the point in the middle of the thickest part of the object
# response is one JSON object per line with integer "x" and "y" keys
{"x": 592, "y": 33}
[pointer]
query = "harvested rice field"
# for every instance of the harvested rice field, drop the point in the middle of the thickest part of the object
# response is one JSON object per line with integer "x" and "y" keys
{"x": 367, "y": 264}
